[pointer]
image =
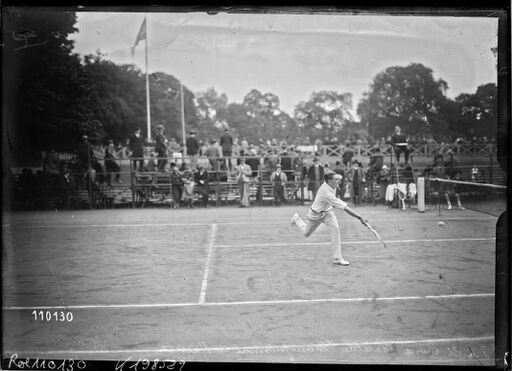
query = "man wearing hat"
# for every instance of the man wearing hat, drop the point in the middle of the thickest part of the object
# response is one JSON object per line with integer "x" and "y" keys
{"x": 278, "y": 180}
{"x": 161, "y": 148}
{"x": 322, "y": 211}
{"x": 315, "y": 176}
{"x": 192, "y": 149}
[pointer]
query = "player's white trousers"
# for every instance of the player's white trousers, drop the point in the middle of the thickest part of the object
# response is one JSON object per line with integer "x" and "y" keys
{"x": 313, "y": 220}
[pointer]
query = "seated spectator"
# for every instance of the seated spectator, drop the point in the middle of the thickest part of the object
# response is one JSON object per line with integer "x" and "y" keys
{"x": 111, "y": 164}
{"x": 188, "y": 187}
{"x": 176, "y": 185}
{"x": 152, "y": 164}
{"x": 201, "y": 181}
{"x": 51, "y": 166}
{"x": 383, "y": 179}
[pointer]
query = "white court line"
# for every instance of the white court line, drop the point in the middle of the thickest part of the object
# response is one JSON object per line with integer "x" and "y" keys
{"x": 207, "y": 267}
{"x": 262, "y": 302}
{"x": 272, "y": 244}
{"x": 258, "y": 347}
{"x": 249, "y": 222}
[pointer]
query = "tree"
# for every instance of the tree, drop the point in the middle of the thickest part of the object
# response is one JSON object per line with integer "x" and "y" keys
{"x": 117, "y": 100}
{"x": 43, "y": 87}
{"x": 479, "y": 111}
{"x": 264, "y": 116}
{"x": 406, "y": 96}
{"x": 211, "y": 109}
{"x": 324, "y": 114}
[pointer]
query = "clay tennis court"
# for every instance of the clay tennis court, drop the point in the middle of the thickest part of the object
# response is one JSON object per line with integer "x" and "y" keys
{"x": 230, "y": 284}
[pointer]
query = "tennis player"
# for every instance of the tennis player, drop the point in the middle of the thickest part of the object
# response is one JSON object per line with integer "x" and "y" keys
{"x": 322, "y": 211}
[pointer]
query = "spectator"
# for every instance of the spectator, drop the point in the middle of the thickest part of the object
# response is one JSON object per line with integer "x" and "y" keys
{"x": 399, "y": 143}
{"x": 356, "y": 178}
{"x": 213, "y": 153}
{"x": 111, "y": 164}
{"x": 236, "y": 147}
{"x": 347, "y": 155}
{"x": 51, "y": 165}
{"x": 152, "y": 164}
{"x": 201, "y": 180}
{"x": 315, "y": 176}
{"x": 173, "y": 146}
{"x": 136, "y": 146}
{"x": 84, "y": 154}
{"x": 192, "y": 149}
{"x": 243, "y": 172}
{"x": 176, "y": 185}
{"x": 278, "y": 180}
{"x": 286, "y": 161}
{"x": 338, "y": 169}
{"x": 226, "y": 142}
{"x": 161, "y": 148}
{"x": 383, "y": 179}
{"x": 188, "y": 186}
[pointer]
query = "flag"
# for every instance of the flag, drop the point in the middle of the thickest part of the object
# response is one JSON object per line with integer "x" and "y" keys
{"x": 140, "y": 36}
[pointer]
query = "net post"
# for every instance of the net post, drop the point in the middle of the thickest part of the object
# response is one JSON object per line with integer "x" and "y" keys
{"x": 421, "y": 194}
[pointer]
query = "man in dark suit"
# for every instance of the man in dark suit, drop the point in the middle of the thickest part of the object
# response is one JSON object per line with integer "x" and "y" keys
{"x": 315, "y": 176}
{"x": 137, "y": 149}
{"x": 226, "y": 142}
{"x": 192, "y": 150}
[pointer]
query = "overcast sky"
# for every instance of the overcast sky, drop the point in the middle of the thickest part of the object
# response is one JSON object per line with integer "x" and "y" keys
{"x": 293, "y": 55}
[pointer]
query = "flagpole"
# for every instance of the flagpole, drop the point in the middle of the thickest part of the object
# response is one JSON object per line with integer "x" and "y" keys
{"x": 148, "y": 109}
{"x": 183, "y": 121}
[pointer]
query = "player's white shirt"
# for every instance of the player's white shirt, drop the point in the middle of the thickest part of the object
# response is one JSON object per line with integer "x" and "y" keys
{"x": 326, "y": 199}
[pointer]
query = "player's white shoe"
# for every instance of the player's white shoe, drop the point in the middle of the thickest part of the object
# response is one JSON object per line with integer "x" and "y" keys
{"x": 449, "y": 207}
{"x": 341, "y": 261}
{"x": 294, "y": 219}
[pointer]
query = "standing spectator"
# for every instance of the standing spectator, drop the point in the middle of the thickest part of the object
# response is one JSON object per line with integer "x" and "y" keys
{"x": 213, "y": 153}
{"x": 278, "y": 180}
{"x": 399, "y": 143}
{"x": 347, "y": 155}
{"x": 161, "y": 148}
{"x": 111, "y": 165}
{"x": 338, "y": 169}
{"x": 176, "y": 185}
{"x": 315, "y": 176}
{"x": 201, "y": 180}
{"x": 356, "y": 178}
{"x": 84, "y": 154}
{"x": 137, "y": 149}
{"x": 192, "y": 149}
{"x": 243, "y": 173}
{"x": 226, "y": 142}
{"x": 383, "y": 179}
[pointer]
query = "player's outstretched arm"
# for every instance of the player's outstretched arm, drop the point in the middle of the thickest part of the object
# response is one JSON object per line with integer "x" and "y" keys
{"x": 354, "y": 214}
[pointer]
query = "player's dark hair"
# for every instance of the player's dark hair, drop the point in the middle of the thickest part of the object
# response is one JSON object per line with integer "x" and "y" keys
{"x": 328, "y": 177}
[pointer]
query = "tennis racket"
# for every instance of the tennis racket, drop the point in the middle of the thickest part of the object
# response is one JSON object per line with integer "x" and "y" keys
{"x": 375, "y": 233}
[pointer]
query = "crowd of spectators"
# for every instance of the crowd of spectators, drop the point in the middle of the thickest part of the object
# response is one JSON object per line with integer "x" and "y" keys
{"x": 274, "y": 161}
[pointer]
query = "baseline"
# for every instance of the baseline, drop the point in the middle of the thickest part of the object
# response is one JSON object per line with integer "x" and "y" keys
{"x": 260, "y": 302}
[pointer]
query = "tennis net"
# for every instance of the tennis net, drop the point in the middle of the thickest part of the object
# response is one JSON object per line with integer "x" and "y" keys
{"x": 483, "y": 197}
